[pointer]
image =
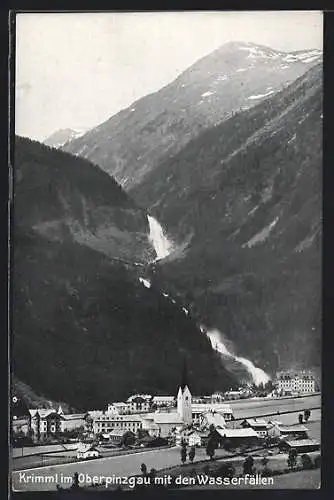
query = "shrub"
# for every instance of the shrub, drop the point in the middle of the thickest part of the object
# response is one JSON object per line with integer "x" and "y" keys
{"x": 206, "y": 470}
{"x": 248, "y": 465}
{"x": 306, "y": 461}
{"x": 226, "y": 470}
{"x": 307, "y": 414}
{"x": 292, "y": 458}
{"x": 268, "y": 472}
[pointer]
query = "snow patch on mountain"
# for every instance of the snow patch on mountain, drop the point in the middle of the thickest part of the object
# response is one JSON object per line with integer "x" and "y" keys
{"x": 145, "y": 282}
{"x": 207, "y": 94}
{"x": 262, "y": 235}
{"x": 259, "y": 96}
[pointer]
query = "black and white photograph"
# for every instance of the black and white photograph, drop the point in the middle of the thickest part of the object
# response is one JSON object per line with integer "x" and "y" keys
{"x": 166, "y": 242}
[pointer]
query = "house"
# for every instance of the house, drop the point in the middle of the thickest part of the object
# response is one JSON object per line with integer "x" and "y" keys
{"x": 294, "y": 432}
{"x": 191, "y": 437}
{"x": 298, "y": 383}
{"x": 146, "y": 397}
{"x": 107, "y": 421}
{"x": 212, "y": 418}
{"x": 20, "y": 425}
{"x": 87, "y": 451}
{"x": 161, "y": 423}
{"x": 138, "y": 404}
{"x": 161, "y": 401}
{"x": 199, "y": 409}
{"x": 236, "y": 437}
{"x": 119, "y": 407}
{"x": 300, "y": 445}
{"x": 46, "y": 422}
{"x": 115, "y": 436}
{"x": 233, "y": 395}
{"x": 258, "y": 425}
{"x": 217, "y": 397}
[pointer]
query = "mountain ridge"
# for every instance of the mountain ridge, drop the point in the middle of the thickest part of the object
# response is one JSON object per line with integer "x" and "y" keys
{"x": 246, "y": 195}
{"x": 134, "y": 141}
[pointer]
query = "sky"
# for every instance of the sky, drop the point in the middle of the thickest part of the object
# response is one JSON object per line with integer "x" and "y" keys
{"x": 75, "y": 70}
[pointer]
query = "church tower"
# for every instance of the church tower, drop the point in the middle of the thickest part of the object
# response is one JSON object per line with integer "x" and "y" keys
{"x": 184, "y": 398}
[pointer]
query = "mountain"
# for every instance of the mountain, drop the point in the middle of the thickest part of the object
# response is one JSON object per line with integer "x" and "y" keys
{"x": 242, "y": 203}
{"x": 236, "y": 76}
{"x": 88, "y": 328}
{"x": 62, "y": 136}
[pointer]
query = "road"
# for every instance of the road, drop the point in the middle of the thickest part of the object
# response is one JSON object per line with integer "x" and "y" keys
{"x": 130, "y": 464}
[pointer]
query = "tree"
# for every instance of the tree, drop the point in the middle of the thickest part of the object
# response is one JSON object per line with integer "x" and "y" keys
{"x": 292, "y": 458}
{"x": 264, "y": 463}
{"x": 228, "y": 445}
{"x": 152, "y": 475}
{"x": 128, "y": 438}
{"x": 307, "y": 414}
{"x": 248, "y": 465}
{"x": 192, "y": 453}
{"x": 211, "y": 447}
{"x": 211, "y": 430}
{"x": 183, "y": 453}
{"x": 75, "y": 482}
{"x": 142, "y": 433}
{"x": 300, "y": 418}
{"x": 306, "y": 461}
{"x": 143, "y": 469}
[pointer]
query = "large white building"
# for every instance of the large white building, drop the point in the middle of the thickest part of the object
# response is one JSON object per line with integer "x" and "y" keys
{"x": 301, "y": 383}
{"x": 46, "y": 422}
{"x": 104, "y": 422}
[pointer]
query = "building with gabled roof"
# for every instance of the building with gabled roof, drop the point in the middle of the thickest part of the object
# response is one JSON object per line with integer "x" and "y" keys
{"x": 46, "y": 422}
{"x": 259, "y": 425}
{"x": 300, "y": 445}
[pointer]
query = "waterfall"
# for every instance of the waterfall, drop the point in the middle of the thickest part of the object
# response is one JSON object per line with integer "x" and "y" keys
{"x": 258, "y": 376}
{"x": 160, "y": 242}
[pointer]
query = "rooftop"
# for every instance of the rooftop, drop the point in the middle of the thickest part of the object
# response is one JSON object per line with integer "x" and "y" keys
{"x": 256, "y": 422}
{"x": 235, "y": 433}
{"x": 295, "y": 428}
{"x": 163, "y": 398}
{"x": 167, "y": 418}
{"x": 302, "y": 442}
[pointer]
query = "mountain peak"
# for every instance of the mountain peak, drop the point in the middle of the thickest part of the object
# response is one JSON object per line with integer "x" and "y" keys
{"x": 62, "y": 136}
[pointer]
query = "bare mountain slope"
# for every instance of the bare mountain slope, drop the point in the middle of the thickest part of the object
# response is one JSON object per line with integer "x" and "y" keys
{"x": 236, "y": 76}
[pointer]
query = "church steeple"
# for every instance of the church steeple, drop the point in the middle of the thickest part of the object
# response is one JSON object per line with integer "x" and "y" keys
{"x": 184, "y": 407}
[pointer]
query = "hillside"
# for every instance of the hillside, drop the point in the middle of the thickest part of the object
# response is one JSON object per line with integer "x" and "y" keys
{"x": 66, "y": 198}
{"x": 236, "y": 76}
{"x": 246, "y": 197}
{"x": 85, "y": 329}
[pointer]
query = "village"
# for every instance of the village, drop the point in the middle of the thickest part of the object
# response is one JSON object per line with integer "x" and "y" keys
{"x": 227, "y": 424}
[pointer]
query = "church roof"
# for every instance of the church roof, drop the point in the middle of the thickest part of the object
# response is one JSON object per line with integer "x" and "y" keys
{"x": 167, "y": 418}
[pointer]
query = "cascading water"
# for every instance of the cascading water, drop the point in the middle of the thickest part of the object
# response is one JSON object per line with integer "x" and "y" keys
{"x": 258, "y": 376}
{"x": 162, "y": 245}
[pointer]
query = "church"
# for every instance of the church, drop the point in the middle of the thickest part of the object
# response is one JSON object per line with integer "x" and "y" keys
{"x": 184, "y": 402}
{"x": 164, "y": 422}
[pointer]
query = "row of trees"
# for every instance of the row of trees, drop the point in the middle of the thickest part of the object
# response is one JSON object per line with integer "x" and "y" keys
{"x": 184, "y": 453}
